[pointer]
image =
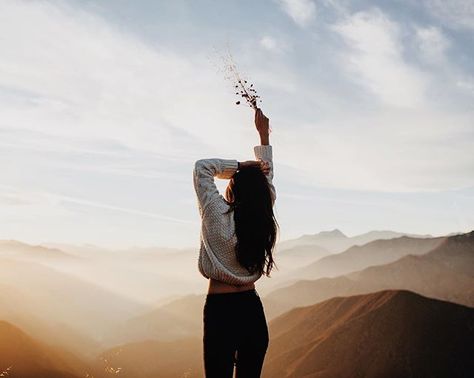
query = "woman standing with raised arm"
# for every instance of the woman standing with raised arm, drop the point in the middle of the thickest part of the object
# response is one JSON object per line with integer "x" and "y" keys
{"x": 238, "y": 235}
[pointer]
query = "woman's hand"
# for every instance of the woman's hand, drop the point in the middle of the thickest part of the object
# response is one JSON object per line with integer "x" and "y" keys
{"x": 261, "y": 122}
{"x": 263, "y": 165}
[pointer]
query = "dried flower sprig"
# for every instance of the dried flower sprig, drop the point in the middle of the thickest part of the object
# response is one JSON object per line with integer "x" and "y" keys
{"x": 240, "y": 84}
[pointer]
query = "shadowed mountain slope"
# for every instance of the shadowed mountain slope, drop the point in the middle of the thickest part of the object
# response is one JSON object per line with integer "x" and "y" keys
{"x": 24, "y": 357}
{"x": 392, "y": 333}
{"x": 457, "y": 252}
{"x": 299, "y": 256}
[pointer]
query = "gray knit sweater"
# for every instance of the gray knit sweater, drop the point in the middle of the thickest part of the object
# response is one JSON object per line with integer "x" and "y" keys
{"x": 217, "y": 257}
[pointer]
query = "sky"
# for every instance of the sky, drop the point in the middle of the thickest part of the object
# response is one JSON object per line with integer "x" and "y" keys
{"x": 106, "y": 105}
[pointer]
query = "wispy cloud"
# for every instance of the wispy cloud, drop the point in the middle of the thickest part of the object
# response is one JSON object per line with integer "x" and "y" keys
{"x": 466, "y": 83}
{"x": 375, "y": 59}
{"x": 81, "y": 77}
{"x": 302, "y": 12}
{"x": 432, "y": 44}
{"x": 269, "y": 43}
{"x": 455, "y": 14}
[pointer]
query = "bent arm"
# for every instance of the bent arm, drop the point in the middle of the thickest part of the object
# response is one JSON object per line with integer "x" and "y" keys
{"x": 203, "y": 177}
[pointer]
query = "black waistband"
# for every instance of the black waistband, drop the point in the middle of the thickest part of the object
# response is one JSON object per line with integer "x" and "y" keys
{"x": 234, "y": 294}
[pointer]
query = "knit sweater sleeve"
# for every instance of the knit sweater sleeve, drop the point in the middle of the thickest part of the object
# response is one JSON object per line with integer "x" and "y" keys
{"x": 203, "y": 177}
{"x": 265, "y": 152}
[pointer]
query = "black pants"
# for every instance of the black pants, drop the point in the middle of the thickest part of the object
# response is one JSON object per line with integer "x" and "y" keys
{"x": 235, "y": 331}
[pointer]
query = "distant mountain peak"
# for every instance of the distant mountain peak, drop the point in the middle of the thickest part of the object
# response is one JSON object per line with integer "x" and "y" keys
{"x": 31, "y": 249}
{"x": 336, "y": 233}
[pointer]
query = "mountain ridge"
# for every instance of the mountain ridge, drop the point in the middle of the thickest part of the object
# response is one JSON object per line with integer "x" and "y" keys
{"x": 431, "y": 274}
{"x": 388, "y": 333}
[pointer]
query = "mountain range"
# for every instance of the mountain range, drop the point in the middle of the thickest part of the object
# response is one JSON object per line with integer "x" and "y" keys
{"x": 382, "y": 308}
{"x": 445, "y": 272}
{"x": 336, "y": 241}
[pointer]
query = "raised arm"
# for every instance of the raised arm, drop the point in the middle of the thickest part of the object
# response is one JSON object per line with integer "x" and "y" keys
{"x": 265, "y": 151}
{"x": 206, "y": 169}
{"x": 203, "y": 177}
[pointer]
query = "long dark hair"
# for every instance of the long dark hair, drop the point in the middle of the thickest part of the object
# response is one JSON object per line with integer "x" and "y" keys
{"x": 249, "y": 196}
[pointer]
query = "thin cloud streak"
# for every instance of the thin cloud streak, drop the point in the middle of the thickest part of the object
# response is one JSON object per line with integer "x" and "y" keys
{"x": 21, "y": 197}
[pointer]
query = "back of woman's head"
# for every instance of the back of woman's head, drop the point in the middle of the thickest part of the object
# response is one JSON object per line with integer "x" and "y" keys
{"x": 249, "y": 195}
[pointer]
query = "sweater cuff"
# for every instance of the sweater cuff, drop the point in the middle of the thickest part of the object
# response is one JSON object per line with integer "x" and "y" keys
{"x": 227, "y": 168}
{"x": 263, "y": 151}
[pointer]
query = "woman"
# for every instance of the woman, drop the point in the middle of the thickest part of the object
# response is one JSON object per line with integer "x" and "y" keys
{"x": 238, "y": 235}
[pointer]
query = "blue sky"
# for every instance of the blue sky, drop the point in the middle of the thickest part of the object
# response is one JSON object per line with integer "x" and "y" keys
{"x": 105, "y": 106}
